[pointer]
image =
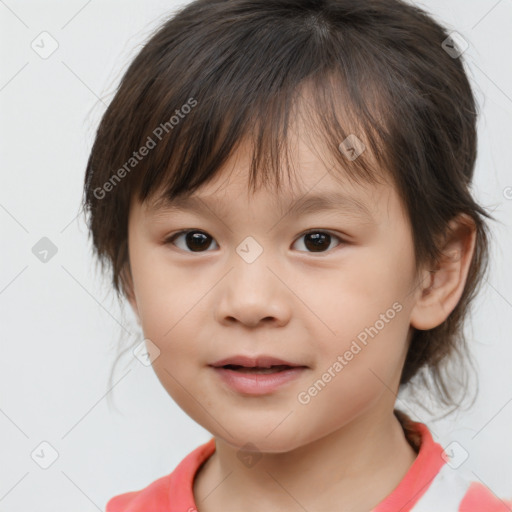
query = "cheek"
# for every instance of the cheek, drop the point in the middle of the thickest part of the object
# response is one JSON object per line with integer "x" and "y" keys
{"x": 172, "y": 312}
{"x": 162, "y": 295}
{"x": 353, "y": 375}
{"x": 365, "y": 352}
{"x": 367, "y": 314}
{"x": 353, "y": 296}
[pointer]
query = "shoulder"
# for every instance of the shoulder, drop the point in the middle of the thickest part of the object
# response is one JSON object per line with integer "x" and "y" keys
{"x": 156, "y": 494}
{"x": 452, "y": 490}
{"x": 479, "y": 497}
{"x": 436, "y": 482}
{"x": 176, "y": 487}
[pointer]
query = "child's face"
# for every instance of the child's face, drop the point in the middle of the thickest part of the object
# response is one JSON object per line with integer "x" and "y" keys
{"x": 343, "y": 310}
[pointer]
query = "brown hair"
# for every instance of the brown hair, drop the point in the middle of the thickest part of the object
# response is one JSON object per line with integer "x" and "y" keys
{"x": 219, "y": 72}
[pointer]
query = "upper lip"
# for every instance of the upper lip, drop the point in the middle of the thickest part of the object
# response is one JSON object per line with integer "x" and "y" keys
{"x": 262, "y": 361}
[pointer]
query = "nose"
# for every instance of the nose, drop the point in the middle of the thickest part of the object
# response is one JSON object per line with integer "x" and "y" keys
{"x": 253, "y": 294}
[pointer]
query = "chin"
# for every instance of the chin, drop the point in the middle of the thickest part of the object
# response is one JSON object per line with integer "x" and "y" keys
{"x": 257, "y": 440}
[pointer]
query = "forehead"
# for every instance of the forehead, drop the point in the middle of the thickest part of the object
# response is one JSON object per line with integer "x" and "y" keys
{"x": 315, "y": 183}
{"x": 305, "y": 202}
{"x": 363, "y": 205}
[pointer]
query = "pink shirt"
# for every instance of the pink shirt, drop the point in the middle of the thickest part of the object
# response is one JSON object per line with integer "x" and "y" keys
{"x": 430, "y": 485}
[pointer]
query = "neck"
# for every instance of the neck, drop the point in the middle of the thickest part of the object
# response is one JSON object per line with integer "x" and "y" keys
{"x": 358, "y": 464}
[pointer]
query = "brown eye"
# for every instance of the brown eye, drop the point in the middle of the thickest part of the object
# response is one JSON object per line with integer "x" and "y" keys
{"x": 318, "y": 241}
{"x": 315, "y": 241}
{"x": 194, "y": 241}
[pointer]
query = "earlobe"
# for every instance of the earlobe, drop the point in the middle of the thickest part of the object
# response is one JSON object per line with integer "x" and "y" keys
{"x": 443, "y": 288}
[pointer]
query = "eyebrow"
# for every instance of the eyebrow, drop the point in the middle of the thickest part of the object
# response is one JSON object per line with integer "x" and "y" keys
{"x": 326, "y": 201}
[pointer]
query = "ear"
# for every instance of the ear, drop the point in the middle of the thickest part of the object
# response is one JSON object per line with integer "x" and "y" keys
{"x": 127, "y": 286}
{"x": 445, "y": 284}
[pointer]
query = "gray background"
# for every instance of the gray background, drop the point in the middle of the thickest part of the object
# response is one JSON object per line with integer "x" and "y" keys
{"x": 60, "y": 324}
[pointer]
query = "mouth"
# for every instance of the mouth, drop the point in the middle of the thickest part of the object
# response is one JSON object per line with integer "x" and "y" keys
{"x": 256, "y": 363}
{"x": 256, "y": 376}
{"x": 258, "y": 369}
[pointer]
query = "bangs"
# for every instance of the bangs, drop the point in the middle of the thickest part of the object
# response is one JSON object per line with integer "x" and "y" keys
{"x": 325, "y": 97}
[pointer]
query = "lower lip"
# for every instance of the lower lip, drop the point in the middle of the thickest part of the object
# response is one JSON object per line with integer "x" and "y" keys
{"x": 257, "y": 383}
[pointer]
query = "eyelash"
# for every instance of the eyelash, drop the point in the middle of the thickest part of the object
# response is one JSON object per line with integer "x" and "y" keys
{"x": 170, "y": 240}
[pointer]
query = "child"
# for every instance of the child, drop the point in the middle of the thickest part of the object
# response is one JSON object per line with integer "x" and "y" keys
{"x": 262, "y": 129}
